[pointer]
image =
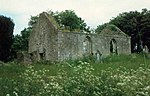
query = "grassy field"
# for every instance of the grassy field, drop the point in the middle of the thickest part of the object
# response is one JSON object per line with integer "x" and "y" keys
{"x": 121, "y": 75}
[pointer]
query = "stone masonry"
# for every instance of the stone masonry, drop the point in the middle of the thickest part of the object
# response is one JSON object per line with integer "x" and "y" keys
{"x": 47, "y": 42}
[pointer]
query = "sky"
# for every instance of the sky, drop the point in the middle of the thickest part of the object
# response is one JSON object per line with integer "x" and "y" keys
{"x": 94, "y": 12}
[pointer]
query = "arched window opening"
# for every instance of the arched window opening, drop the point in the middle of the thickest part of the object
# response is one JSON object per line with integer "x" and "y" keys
{"x": 87, "y": 45}
{"x": 113, "y": 46}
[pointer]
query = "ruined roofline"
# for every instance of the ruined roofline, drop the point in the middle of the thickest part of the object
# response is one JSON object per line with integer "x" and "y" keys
{"x": 57, "y": 27}
{"x": 112, "y": 29}
{"x": 102, "y": 35}
{"x": 51, "y": 20}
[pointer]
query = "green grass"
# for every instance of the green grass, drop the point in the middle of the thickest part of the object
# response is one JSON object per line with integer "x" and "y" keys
{"x": 134, "y": 61}
{"x": 11, "y": 70}
{"x": 10, "y": 73}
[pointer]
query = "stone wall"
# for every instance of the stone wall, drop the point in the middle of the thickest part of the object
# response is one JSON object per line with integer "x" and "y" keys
{"x": 73, "y": 44}
{"x": 46, "y": 42}
{"x": 43, "y": 40}
{"x": 23, "y": 57}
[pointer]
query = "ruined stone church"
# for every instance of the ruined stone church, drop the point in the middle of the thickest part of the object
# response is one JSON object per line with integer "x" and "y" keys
{"x": 48, "y": 42}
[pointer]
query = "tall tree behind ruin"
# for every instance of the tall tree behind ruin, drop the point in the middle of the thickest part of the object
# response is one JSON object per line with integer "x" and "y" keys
{"x": 6, "y": 38}
{"x": 135, "y": 24}
{"x": 70, "y": 20}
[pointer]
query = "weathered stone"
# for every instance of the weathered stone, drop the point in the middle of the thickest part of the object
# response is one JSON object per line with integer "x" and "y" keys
{"x": 23, "y": 57}
{"x": 47, "y": 42}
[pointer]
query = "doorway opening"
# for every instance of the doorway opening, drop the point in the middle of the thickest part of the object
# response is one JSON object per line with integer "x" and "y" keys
{"x": 113, "y": 46}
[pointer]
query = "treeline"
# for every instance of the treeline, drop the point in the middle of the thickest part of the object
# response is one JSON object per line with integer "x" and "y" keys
{"x": 135, "y": 24}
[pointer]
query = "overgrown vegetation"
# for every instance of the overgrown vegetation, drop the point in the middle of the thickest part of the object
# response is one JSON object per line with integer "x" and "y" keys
{"x": 122, "y": 75}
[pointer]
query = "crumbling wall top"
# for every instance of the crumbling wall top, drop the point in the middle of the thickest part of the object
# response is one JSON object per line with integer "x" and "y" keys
{"x": 112, "y": 30}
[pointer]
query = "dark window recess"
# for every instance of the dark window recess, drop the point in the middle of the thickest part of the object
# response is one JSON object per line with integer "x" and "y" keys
{"x": 41, "y": 56}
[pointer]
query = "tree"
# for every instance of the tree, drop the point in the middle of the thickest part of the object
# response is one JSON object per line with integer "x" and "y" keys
{"x": 145, "y": 27}
{"x": 69, "y": 20}
{"x": 6, "y": 36}
{"x": 135, "y": 24}
{"x": 33, "y": 21}
{"x": 21, "y": 41}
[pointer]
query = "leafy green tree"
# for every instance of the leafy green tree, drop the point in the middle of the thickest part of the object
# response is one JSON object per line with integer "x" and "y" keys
{"x": 33, "y": 20}
{"x": 145, "y": 27}
{"x": 6, "y": 36}
{"x": 135, "y": 24}
{"x": 69, "y": 20}
{"x": 21, "y": 41}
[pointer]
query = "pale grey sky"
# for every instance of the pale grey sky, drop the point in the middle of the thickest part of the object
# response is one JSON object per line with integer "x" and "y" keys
{"x": 94, "y": 12}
